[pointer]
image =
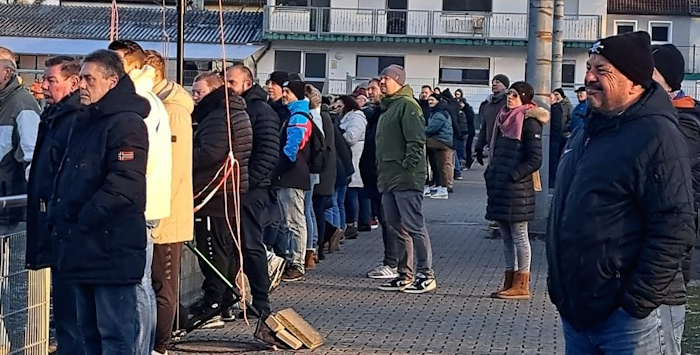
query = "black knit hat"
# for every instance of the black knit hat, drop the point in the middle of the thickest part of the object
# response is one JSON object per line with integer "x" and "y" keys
{"x": 560, "y": 91}
{"x": 669, "y": 61}
{"x": 296, "y": 87}
{"x": 278, "y": 77}
{"x": 525, "y": 90}
{"x": 503, "y": 79}
{"x": 630, "y": 53}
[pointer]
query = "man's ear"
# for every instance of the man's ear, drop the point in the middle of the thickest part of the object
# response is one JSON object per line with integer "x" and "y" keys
{"x": 113, "y": 81}
{"x": 74, "y": 81}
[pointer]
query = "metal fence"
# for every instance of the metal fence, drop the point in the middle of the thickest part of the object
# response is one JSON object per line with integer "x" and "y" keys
{"x": 25, "y": 296}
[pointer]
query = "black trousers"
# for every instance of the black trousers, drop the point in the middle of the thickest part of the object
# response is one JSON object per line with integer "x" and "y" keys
{"x": 215, "y": 241}
{"x": 253, "y": 220}
{"x": 166, "y": 280}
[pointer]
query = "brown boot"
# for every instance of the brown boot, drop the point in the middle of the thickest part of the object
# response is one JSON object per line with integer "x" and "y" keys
{"x": 508, "y": 283}
{"x": 310, "y": 260}
{"x": 520, "y": 289}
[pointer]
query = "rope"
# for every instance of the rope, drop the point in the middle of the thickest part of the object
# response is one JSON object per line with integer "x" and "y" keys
{"x": 166, "y": 38}
{"x": 114, "y": 22}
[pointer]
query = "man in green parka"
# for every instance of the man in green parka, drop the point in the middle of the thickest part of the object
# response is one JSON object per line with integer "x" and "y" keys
{"x": 401, "y": 175}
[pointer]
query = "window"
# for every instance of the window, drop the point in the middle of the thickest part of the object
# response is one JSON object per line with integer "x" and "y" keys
{"x": 660, "y": 31}
{"x": 371, "y": 66}
{"x": 465, "y": 70}
{"x": 571, "y": 7}
{"x": 471, "y": 5}
{"x": 568, "y": 73}
{"x": 625, "y": 27}
{"x": 313, "y": 3}
{"x": 314, "y": 65}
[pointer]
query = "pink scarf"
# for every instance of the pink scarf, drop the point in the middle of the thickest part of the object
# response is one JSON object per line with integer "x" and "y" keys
{"x": 510, "y": 122}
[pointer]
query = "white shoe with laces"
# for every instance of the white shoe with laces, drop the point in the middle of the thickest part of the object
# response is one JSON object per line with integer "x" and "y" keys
{"x": 440, "y": 194}
{"x": 383, "y": 272}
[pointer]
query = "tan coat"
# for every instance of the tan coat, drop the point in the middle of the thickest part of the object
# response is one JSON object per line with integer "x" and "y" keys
{"x": 179, "y": 227}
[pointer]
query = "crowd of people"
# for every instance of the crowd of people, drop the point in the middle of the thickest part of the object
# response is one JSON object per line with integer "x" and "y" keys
{"x": 124, "y": 165}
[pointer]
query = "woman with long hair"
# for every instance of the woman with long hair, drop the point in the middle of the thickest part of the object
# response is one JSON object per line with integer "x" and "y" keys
{"x": 511, "y": 180}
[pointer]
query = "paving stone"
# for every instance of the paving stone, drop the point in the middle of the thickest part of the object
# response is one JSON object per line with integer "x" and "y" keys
{"x": 458, "y": 318}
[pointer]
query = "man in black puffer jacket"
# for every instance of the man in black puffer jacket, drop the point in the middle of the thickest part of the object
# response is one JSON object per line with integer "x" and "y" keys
{"x": 97, "y": 209}
{"x": 623, "y": 216}
{"x": 263, "y": 158}
{"x": 669, "y": 72}
{"x": 210, "y": 156}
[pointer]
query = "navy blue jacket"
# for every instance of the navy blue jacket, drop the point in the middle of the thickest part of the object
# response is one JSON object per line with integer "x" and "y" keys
{"x": 368, "y": 161}
{"x": 54, "y": 129}
{"x": 97, "y": 210}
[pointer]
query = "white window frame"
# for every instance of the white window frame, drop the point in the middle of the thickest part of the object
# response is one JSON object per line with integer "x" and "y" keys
{"x": 378, "y": 55}
{"x": 668, "y": 24}
{"x": 635, "y": 23}
{"x": 302, "y": 62}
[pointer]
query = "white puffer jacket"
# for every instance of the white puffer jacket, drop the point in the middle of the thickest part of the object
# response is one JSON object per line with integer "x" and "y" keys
{"x": 159, "y": 170}
{"x": 354, "y": 126}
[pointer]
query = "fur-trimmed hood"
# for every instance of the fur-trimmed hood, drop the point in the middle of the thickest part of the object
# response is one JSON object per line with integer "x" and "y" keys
{"x": 538, "y": 113}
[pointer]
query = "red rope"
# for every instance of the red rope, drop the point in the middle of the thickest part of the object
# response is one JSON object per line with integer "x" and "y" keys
{"x": 114, "y": 22}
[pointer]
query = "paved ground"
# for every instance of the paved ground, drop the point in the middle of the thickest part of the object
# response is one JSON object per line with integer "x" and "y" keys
{"x": 459, "y": 318}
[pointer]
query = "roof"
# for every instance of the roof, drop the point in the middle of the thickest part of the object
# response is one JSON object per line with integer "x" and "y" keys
{"x": 135, "y": 23}
{"x": 652, "y": 7}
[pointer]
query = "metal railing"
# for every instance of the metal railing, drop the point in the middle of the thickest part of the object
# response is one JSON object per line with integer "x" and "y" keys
{"x": 415, "y": 23}
{"x": 25, "y": 295}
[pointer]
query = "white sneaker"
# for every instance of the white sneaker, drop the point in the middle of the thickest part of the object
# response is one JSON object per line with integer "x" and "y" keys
{"x": 275, "y": 269}
{"x": 427, "y": 191}
{"x": 383, "y": 272}
{"x": 440, "y": 194}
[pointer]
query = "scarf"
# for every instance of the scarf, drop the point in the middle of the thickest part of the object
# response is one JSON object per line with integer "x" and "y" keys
{"x": 510, "y": 122}
{"x": 10, "y": 89}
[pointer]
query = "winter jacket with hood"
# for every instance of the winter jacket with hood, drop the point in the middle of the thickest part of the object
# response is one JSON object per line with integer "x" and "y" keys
{"x": 97, "y": 208}
{"x": 54, "y": 129}
{"x": 440, "y": 124}
{"x": 622, "y": 215}
{"x": 266, "y": 138}
{"x": 211, "y": 148}
{"x": 452, "y": 108}
{"x": 354, "y": 124}
{"x": 568, "y": 108}
{"x": 160, "y": 152}
{"x": 179, "y": 105}
{"x": 578, "y": 117}
{"x": 292, "y": 170}
{"x": 368, "y": 161}
{"x": 401, "y": 163}
{"x": 509, "y": 184}
{"x": 19, "y": 122}
{"x": 344, "y": 168}
{"x": 488, "y": 111}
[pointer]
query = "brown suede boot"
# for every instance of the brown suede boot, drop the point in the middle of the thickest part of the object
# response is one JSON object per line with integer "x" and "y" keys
{"x": 310, "y": 263}
{"x": 508, "y": 283}
{"x": 520, "y": 289}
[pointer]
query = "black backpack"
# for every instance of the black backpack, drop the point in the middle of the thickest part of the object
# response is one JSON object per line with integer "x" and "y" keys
{"x": 317, "y": 147}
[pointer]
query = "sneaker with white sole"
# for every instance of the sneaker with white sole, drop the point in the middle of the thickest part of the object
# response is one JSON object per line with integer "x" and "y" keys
{"x": 275, "y": 269}
{"x": 397, "y": 284}
{"x": 421, "y": 284}
{"x": 427, "y": 191}
{"x": 383, "y": 272}
{"x": 440, "y": 194}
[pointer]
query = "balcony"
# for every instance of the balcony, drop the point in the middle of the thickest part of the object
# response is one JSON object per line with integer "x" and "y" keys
{"x": 322, "y": 22}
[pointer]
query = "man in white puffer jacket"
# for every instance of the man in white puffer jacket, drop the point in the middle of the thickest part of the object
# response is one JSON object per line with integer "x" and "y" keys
{"x": 158, "y": 180}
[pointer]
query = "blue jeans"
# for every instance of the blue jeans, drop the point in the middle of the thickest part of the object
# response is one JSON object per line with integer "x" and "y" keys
{"x": 359, "y": 208}
{"x": 146, "y": 302}
{"x": 336, "y": 214}
{"x": 292, "y": 202}
{"x": 65, "y": 315}
{"x": 107, "y": 318}
{"x": 311, "y": 229}
{"x": 658, "y": 333}
{"x": 331, "y": 212}
{"x": 460, "y": 147}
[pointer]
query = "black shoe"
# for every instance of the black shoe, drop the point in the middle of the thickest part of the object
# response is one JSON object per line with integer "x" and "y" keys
{"x": 205, "y": 315}
{"x": 351, "y": 232}
{"x": 227, "y": 314}
{"x": 365, "y": 228}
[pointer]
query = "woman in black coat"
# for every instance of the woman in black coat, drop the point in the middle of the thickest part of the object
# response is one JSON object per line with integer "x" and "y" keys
{"x": 516, "y": 154}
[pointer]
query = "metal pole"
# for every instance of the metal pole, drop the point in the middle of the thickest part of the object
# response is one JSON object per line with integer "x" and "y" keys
{"x": 557, "y": 43}
{"x": 180, "y": 75}
{"x": 539, "y": 74}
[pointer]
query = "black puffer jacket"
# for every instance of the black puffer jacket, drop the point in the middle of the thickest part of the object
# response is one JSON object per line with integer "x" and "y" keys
{"x": 54, "y": 129}
{"x": 266, "y": 138}
{"x": 281, "y": 109}
{"x": 98, "y": 205}
{"x": 368, "y": 161}
{"x": 327, "y": 184}
{"x": 211, "y": 148}
{"x": 622, "y": 215}
{"x": 454, "y": 110}
{"x": 509, "y": 185}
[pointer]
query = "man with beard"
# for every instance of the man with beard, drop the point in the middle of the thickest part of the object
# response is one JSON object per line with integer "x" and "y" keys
{"x": 623, "y": 214}
{"x": 60, "y": 88}
{"x": 488, "y": 111}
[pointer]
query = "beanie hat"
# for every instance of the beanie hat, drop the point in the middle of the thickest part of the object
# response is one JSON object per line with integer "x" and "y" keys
{"x": 669, "y": 61}
{"x": 525, "y": 90}
{"x": 278, "y": 77}
{"x": 395, "y": 72}
{"x": 630, "y": 53}
{"x": 435, "y": 96}
{"x": 503, "y": 79}
{"x": 560, "y": 91}
{"x": 296, "y": 87}
{"x": 359, "y": 91}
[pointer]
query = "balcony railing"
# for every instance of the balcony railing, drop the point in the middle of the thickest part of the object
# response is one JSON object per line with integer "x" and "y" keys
{"x": 422, "y": 24}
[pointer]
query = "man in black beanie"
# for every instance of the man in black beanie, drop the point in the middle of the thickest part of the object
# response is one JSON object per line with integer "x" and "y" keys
{"x": 623, "y": 214}
{"x": 669, "y": 70}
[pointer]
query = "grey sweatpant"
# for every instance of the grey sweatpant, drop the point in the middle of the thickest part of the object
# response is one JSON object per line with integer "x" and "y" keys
{"x": 404, "y": 213}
